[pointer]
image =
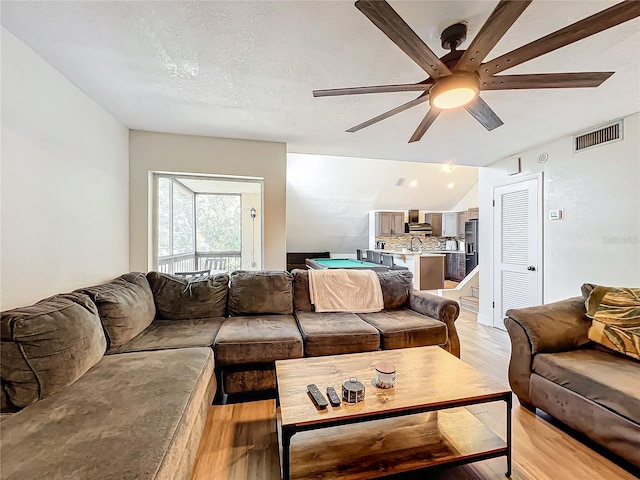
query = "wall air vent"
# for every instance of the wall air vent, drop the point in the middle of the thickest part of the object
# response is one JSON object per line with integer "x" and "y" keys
{"x": 608, "y": 134}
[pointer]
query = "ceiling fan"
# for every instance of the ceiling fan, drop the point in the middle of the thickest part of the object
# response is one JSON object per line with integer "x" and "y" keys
{"x": 456, "y": 79}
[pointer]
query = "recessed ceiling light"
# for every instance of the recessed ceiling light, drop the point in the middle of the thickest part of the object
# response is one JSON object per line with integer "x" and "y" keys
{"x": 450, "y": 185}
{"x": 413, "y": 183}
{"x": 447, "y": 167}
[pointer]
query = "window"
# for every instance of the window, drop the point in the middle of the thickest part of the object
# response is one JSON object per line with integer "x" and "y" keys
{"x": 218, "y": 222}
{"x": 204, "y": 223}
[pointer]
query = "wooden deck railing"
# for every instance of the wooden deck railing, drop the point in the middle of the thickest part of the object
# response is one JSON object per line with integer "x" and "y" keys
{"x": 187, "y": 262}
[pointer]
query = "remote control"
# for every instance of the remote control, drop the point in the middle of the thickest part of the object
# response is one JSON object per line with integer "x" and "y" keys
{"x": 317, "y": 397}
{"x": 334, "y": 399}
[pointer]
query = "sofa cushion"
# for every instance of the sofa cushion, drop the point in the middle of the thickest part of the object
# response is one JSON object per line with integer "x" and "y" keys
{"x": 255, "y": 379}
{"x": 258, "y": 339}
{"x": 616, "y": 319}
{"x": 301, "y": 295}
{"x": 396, "y": 288}
{"x": 179, "y": 298}
{"x": 605, "y": 378}
{"x": 47, "y": 346}
{"x": 258, "y": 293}
{"x": 336, "y": 333}
{"x": 129, "y": 418}
{"x": 125, "y": 306}
{"x": 405, "y": 328}
{"x": 586, "y": 290}
{"x": 164, "y": 334}
{"x": 6, "y": 407}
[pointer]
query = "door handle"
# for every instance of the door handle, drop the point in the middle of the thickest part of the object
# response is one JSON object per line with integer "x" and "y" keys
{"x": 531, "y": 268}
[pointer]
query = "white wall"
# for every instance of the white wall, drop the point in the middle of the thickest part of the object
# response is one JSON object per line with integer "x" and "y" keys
{"x": 329, "y": 198}
{"x": 163, "y": 152}
{"x": 470, "y": 200}
{"x": 64, "y": 188}
{"x": 598, "y": 241}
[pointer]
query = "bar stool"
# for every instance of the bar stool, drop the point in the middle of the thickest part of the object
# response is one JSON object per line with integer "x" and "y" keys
{"x": 374, "y": 257}
{"x": 388, "y": 261}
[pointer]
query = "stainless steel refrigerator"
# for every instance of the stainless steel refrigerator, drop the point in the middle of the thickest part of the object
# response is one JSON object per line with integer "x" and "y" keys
{"x": 471, "y": 244}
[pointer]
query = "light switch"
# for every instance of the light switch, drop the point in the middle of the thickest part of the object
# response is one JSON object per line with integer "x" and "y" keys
{"x": 556, "y": 214}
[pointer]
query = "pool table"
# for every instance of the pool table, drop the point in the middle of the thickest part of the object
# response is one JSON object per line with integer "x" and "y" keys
{"x": 348, "y": 263}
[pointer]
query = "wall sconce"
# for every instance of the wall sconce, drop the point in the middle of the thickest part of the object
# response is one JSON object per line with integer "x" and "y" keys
{"x": 253, "y": 212}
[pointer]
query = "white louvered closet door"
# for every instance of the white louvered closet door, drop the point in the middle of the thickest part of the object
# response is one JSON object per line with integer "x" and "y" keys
{"x": 517, "y": 248}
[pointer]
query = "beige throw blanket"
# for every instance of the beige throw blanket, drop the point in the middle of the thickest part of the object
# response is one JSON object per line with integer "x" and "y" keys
{"x": 339, "y": 290}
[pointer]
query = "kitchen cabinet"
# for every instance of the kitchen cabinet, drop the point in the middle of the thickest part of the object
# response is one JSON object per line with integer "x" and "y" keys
{"x": 456, "y": 266}
{"x": 473, "y": 214}
{"x": 435, "y": 219}
{"x": 432, "y": 272}
{"x": 451, "y": 225}
{"x": 462, "y": 217}
{"x": 389, "y": 224}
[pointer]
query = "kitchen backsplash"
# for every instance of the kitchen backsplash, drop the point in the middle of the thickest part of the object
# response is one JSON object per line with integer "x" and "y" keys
{"x": 398, "y": 242}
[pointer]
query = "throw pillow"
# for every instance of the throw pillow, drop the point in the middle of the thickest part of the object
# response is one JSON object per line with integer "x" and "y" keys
{"x": 616, "y": 319}
{"x": 396, "y": 288}
{"x": 179, "y": 298}
{"x": 301, "y": 296}
{"x": 125, "y": 306}
{"x": 48, "y": 346}
{"x": 260, "y": 292}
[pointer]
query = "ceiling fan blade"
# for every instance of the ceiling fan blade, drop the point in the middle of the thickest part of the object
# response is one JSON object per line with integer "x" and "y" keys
{"x": 619, "y": 13}
{"x": 500, "y": 20}
{"x": 484, "y": 114}
{"x": 426, "y": 122}
{"x": 544, "y": 80}
{"x": 421, "y": 99}
{"x": 406, "y": 87}
{"x": 393, "y": 26}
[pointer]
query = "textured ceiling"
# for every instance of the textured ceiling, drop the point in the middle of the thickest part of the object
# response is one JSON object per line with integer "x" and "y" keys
{"x": 247, "y": 69}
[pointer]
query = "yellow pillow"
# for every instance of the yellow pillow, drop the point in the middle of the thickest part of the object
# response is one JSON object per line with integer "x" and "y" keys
{"x": 616, "y": 319}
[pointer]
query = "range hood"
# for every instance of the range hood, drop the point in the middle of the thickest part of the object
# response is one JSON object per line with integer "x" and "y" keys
{"x": 414, "y": 224}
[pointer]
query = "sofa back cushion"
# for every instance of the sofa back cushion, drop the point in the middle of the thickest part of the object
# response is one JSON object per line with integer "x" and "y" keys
{"x": 179, "y": 298}
{"x": 301, "y": 295}
{"x": 396, "y": 288}
{"x": 47, "y": 346}
{"x": 125, "y": 306}
{"x": 261, "y": 292}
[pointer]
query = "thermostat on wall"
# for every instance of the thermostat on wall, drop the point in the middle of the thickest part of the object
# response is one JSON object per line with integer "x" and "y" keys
{"x": 556, "y": 214}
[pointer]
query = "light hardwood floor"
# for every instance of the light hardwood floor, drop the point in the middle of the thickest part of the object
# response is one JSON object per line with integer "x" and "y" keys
{"x": 239, "y": 442}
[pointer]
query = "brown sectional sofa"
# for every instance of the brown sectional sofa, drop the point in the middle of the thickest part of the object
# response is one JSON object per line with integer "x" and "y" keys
{"x": 556, "y": 368}
{"x": 114, "y": 381}
{"x": 252, "y": 339}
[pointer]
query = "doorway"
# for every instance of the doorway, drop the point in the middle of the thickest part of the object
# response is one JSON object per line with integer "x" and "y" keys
{"x": 517, "y": 248}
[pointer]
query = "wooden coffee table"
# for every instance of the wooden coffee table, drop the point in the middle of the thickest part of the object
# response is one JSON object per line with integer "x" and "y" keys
{"x": 367, "y": 439}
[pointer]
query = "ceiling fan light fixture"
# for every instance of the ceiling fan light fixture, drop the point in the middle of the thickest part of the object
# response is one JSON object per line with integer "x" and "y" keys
{"x": 454, "y": 91}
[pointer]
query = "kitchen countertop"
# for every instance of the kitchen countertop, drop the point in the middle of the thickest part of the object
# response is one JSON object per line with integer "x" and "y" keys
{"x": 444, "y": 251}
{"x": 424, "y": 253}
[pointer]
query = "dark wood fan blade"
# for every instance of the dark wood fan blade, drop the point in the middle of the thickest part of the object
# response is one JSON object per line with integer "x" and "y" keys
{"x": 483, "y": 113}
{"x": 500, "y": 20}
{"x": 544, "y": 80}
{"x": 406, "y": 87}
{"x": 393, "y": 26}
{"x": 426, "y": 122}
{"x": 619, "y": 13}
{"x": 421, "y": 99}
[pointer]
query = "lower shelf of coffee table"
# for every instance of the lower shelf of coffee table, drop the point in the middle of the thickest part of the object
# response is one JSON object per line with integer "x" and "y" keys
{"x": 394, "y": 445}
